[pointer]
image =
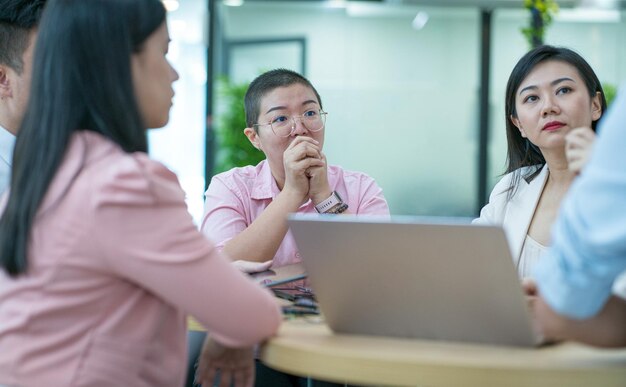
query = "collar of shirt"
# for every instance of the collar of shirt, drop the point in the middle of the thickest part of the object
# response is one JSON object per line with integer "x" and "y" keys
{"x": 7, "y": 141}
{"x": 265, "y": 186}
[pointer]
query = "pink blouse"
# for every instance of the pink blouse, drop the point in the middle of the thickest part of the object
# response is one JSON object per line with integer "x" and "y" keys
{"x": 115, "y": 265}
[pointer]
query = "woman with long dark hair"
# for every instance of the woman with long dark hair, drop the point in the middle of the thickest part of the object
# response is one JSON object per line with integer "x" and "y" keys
{"x": 100, "y": 261}
{"x": 551, "y": 91}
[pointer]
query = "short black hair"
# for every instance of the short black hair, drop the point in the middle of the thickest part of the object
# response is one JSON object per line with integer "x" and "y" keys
{"x": 17, "y": 19}
{"x": 267, "y": 82}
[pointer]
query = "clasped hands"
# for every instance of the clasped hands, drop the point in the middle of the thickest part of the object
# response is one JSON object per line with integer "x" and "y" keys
{"x": 306, "y": 170}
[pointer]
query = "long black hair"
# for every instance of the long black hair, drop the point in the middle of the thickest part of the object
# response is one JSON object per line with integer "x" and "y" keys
{"x": 521, "y": 152}
{"x": 82, "y": 80}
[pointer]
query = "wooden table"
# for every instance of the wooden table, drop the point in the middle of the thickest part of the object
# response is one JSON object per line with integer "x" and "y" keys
{"x": 307, "y": 347}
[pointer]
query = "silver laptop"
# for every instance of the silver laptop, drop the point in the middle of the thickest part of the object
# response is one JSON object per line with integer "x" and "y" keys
{"x": 429, "y": 278}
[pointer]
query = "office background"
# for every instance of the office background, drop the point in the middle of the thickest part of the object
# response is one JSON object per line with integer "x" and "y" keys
{"x": 403, "y": 101}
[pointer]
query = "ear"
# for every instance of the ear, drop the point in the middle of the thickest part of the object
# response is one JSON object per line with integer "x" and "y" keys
{"x": 596, "y": 106}
{"x": 5, "y": 83}
{"x": 253, "y": 137}
{"x": 517, "y": 124}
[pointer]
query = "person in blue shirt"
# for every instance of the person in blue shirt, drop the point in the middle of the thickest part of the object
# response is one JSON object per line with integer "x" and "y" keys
{"x": 18, "y": 31}
{"x": 575, "y": 277}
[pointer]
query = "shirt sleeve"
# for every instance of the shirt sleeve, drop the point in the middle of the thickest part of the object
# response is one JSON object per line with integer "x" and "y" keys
{"x": 148, "y": 237}
{"x": 224, "y": 214}
{"x": 493, "y": 212}
{"x": 589, "y": 236}
{"x": 371, "y": 201}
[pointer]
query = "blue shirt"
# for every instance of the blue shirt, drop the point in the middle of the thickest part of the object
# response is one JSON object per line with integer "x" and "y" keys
{"x": 7, "y": 140}
{"x": 589, "y": 237}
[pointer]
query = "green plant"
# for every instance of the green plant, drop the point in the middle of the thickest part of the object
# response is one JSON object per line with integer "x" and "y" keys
{"x": 541, "y": 15}
{"x": 234, "y": 149}
{"x": 610, "y": 91}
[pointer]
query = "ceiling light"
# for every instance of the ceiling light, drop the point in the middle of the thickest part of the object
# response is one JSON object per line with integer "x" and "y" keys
{"x": 589, "y": 15}
{"x": 420, "y": 20}
{"x": 233, "y": 3}
{"x": 336, "y": 3}
{"x": 604, "y": 4}
{"x": 171, "y": 5}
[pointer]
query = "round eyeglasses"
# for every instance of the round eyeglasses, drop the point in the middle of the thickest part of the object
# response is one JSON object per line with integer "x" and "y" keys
{"x": 283, "y": 126}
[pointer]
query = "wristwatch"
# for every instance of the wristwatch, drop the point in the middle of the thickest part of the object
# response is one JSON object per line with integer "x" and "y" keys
{"x": 333, "y": 205}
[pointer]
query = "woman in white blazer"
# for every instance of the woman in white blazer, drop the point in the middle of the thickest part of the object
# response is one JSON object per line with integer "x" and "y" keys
{"x": 550, "y": 92}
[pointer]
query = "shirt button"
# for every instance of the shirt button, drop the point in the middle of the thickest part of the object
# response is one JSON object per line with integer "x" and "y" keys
{"x": 297, "y": 254}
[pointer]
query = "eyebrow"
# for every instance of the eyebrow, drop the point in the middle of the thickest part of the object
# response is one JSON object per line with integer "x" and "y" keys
{"x": 307, "y": 102}
{"x": 553, "y": 83}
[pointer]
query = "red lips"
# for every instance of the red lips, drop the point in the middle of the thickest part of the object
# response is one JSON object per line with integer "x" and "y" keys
{"x": 553, "y": 125}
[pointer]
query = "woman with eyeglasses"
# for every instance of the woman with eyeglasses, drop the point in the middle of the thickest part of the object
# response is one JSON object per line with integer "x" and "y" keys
{"x": 100, "y": 262}
{"x": 246, "y": 208}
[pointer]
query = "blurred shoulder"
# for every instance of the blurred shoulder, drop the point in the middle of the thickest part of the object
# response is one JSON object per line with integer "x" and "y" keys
{"x": 118, "y": 176}
{"x": 246, "y": 174}
{"x": 337, "y": 172}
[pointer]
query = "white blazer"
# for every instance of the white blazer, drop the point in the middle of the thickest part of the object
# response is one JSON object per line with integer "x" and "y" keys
{"x": 516, "y": 214}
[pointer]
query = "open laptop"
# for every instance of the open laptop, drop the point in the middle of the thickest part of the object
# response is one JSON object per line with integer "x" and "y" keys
{"x": 429, "y": 278}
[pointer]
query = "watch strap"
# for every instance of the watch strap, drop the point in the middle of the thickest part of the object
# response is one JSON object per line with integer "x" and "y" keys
{"x": 333, "y": 205}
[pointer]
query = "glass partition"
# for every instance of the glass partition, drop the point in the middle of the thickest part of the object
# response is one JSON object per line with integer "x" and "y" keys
{"x": 180, "y": 145}
{"x": 402, "y": 90}
{"x": 402, "y": 102}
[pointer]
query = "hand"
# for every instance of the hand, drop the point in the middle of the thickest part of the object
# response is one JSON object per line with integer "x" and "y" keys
{"x": 235, "y": 365}
{"x": 578, "y": 144}
{"x": 532, "y": 296}
{"x": 530, "y": 290}
{"x": 319, "y": 189}
{"x": 302, "y": 154}
{"x": 250, "y": 267}
{"x": 529, "y": 286}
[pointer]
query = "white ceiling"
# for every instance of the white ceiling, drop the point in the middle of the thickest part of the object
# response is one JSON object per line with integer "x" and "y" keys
{"x": 466, "y": 3}
{"x": 613, "y": 4}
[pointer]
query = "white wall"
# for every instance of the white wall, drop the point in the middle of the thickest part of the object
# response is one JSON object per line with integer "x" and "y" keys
{"x": 180, "y": 145}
